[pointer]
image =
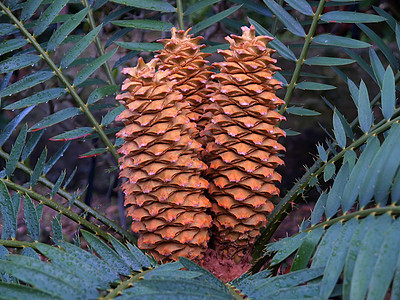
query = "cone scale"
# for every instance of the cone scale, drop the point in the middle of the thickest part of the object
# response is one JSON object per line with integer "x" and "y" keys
{"x": 243, "y": 156}
{"x": 190, "y": 133}
{"x": 164, "y": 191}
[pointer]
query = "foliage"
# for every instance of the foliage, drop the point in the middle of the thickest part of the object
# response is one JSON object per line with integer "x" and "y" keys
{"x": 349, "y": 247}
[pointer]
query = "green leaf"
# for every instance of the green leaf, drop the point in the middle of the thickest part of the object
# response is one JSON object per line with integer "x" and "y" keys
{"x": 360, "y": 61}
{"x": 57, "y": 117}
{"x": 75, "y": 263}
{"x": 214, "y": 19}
{"x": 65, "y": 29}
{"x": 124, "y": 59}
{"x": 92, "y": 67}
{"x": 10, "y": 127}
{"x": 384, "y": 268}
{"x": 306, "y": 249}
{"x": 127, "y": 255}
{"x": 329, "y": 171}
{"x": 57, "y": 185}
{"x": 291, "y": 24}
{"x": 353, "y": 91}
{"x": 116, "y": 14}
{"x": 11, "y": 45}
{"x": 37, "y": 171}
{"x": 31, "y": 144}
{"x": 70, "y": 178}
{"x": 206, "y": 277}
{"x": 335, "y": 261}
{"x": 111, "y": 115}
{"x": 301, "y": 6}
{"x": 328, "y": 61}
{"x": 366, "y": 257}
{"x": 388, "y": 94}
{"x": 102, "y": 92}
{"x": 276, "y": 44}
{"x": 339, "y": 41}
{"x": 350, "y": 17}
{"x": 56, "y": 228}
{"x": 323, "y": 155}
{"x": 398, "y": 35}
{"x": 29, "y": 8}
{"x": 32, "y": 220}
{"x": 55, "y": 158}
{"x": 145, "y": 24}
{"x": 278, "y": 76}
{"x": 21, "y": 292}
{"x": 93, "y": 153}
{"x": 381, "y": 45}
{"x": 325, "y": 248}
{"x": 338, "y": 128}
{"x": 157, "y": 5}
{"x": 314, "y": 86}
{"x": 45, "y": 277}
{"x": 6, "y": 28}
{"x": 48, "y": 16}
{"x": 389, "y": 169}
{"x": 8, "y": 213}
{"x": 73, "y": 134}
{"x": 389, "y": 19}
{"x": 101, "y": 270}
{"x": 16, "y": 151}
{"x": 377, "y": 67}
{"x": 116, "y": 36}
{"x": 345, "y": 125}
{"x": 148, "y": 47}
{"x": 290, "y": 132}
{"x": 276, "y": 287}
{"x": 198, "y": 6}
{"x": 285, "y": 247}
{"x": 365, "y": 115}
{"x": 357, "y": 175}
{"x": 40, "y": 97}
{"x": 18, "y": 62}
{"x": 27, "y": 82}
{"x": 318, "y": 209}
{"x": 106, "y": 253}
{"x": 300, "y": 111}
{"x": 79, "y": 47}
{"x": 140, "y": 256}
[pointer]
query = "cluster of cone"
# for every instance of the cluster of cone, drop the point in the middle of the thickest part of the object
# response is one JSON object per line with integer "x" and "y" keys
{"x": 190, "y": 133}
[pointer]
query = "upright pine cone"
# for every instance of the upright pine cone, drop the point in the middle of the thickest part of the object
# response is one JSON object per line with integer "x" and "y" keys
{"x": 164, "y": 189}
{"x": 244, "y": 154}
{"x": 182, "y": 56}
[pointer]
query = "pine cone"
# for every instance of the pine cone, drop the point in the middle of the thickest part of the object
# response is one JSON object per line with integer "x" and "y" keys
{"x": 164, "y": 190}
{"x": 243, "y": 155}
{"x": 182, "y": 56}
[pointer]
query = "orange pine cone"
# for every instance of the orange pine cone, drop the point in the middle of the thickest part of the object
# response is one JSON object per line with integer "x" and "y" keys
{"x": 243, "y": 156}
{"x": 182, "y": 56}
{"x": 164, "y": 190}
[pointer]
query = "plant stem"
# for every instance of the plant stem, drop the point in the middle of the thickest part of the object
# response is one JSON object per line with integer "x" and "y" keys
{"x": 17, "y": 244}
{"x": 97, "y": 42}
{"x": 125, "y": 285}
{"x": 61, "y": 209}
{"x": 302, "y": 58}
{"x": 84, "y": 108}
{"x": 87, "y": 209}
{"x": 179, "y": 12}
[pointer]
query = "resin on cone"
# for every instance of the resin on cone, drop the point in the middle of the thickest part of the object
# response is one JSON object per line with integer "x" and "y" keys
{"x": 182, "y": 56}
{"x": 164, "y": 191}
{"x": 244, "y": 154}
